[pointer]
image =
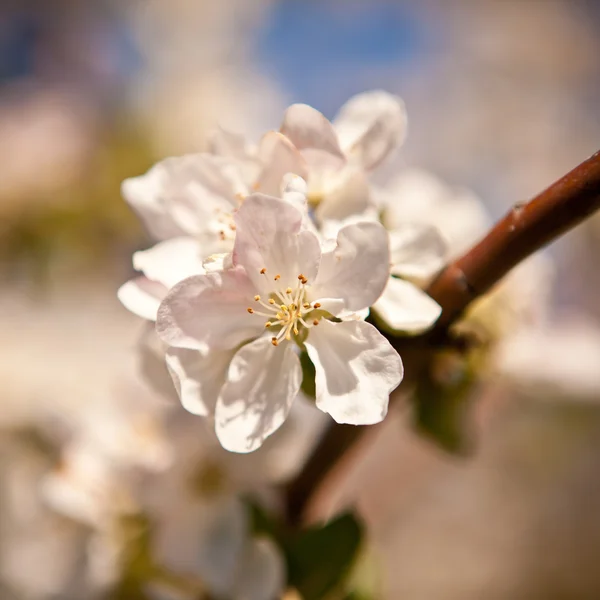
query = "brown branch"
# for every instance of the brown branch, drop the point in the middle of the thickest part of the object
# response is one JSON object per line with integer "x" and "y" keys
{"x": 524, "y": 230}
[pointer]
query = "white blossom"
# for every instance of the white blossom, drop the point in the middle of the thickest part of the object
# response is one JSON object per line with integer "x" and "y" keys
{"x": 339, "y": 155}
{"x": 282, "y": 288}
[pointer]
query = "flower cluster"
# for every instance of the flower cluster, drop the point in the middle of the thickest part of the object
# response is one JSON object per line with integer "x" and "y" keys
{"x": 271, "y": 254}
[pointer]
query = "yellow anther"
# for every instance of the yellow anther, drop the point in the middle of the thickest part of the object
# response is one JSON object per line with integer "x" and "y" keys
{"x": 263, "y": 271}
{"x": 277, "y": 277}
{"x": 317, "y": 305}
{"x": 295, "y": 330}
{"x": 316, "y": 322}
{"x": 306, "y": 305}
{"x": 257, "y": 298}
{"x": 279, "y": 315}
{"x": 271, "y": 301}
{"x": 293, "y": 307}
{"x": 250, "y": 310}
{"x": 268, "y": 324}
{"x": 288, "y": 290}
{"x": 274, "y": 341}
{"x": 284, "y": 308}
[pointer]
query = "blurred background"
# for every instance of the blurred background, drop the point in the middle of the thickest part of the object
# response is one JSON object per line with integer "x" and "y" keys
{"x": 502, "y": 97}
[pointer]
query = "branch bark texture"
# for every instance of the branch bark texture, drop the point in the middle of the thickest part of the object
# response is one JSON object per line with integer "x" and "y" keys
{"x": 524, "y": 230}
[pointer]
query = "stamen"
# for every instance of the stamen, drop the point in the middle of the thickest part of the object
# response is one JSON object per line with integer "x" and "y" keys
{"x": 263, "y": 271}
{"x": 268, "y": 324}
{"x": 271, "y": 301}
{"x": 277, "y": 277}
{"x": 232, "y": 226}
{"x": 316, "y": 322}
{"x": 288, "y": 290}
{"x": 274, "y": 341}
{"x": 250, "y": 310}
{"x": 306, "y": 305}
{"x": 317, "y": 305}
{"x": 257, "y": 298}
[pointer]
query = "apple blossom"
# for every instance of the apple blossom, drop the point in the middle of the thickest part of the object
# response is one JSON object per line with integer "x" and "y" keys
{"x": 282, "y": 288}
{"x": 338, "y": 155}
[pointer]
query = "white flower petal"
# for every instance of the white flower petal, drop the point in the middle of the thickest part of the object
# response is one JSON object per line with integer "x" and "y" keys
{"x": 261, "y": 575}
{"x": 417, "y": 251}
{"x": 203, "y": 197}
{"x": 370, "y": 126}
{"x": 268, "y": 236}
{"x": 198, "y": 378}
{"x": 223, "y": 142}
{"x": 142, "y": 297}
{"x": 345, "y": 193}
{"x": 356, "y": 369}
{"x": 170, "y": 261}
{"x": 145, "y": 195}
{"x": 262, "y": 382}
{"x": 416, "y": 196}
{"x": 209, "y": 311}
{"x": 314, "y": 136}
{"x": 357, "y": 270}
{"x": 278, "y": 156}
{"x": 404, "y": 307}
{"x": 218, "y": 262}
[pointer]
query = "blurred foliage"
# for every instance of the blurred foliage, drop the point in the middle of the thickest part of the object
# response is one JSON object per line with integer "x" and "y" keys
{"x": 86, "y": 225}
{"x": 442, "y": 399}
{"x": 320, "y": 558}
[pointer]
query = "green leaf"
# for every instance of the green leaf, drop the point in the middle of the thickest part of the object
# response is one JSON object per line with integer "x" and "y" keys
{"x": 320, "y": 558}
{"x": 308, "y": 376}
{"x": 442, "y": 403}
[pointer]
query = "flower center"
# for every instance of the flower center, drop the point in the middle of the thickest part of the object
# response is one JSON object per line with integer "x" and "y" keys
{"x": 286, "y": 308}
{"x": 223, "y": 225}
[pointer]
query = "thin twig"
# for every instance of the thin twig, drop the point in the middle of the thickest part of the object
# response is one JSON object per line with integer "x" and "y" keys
{"x": 523, "y": 231}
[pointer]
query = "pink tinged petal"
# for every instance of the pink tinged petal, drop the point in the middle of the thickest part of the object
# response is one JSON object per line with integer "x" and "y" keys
{"x": 269, "y": 236}
{"x": 198, "y": 378}
{"x": 358, "y": 269}
{"x": 417, "y": 251}
{"x": 142, "y": 297}
{"x": 278, "y": 156}
{"x": 262, "y": 382}
{"x": 223, "y": 142}
{"x": 170, "y": 261}
{"x": 209, "y": 311}
{"x": 345, "y": 194}
{"x": 356, "y": 370}
{"x": 261, "y": 574}
{"x": 145, "y": 194}
{"x": 202, "y": 200}
{"x": 405, "y": 307}
{"x": 416, "y": 196}
{"x": 217, "y": 262}
{"x": 314, "y": 136}
{"x": 370, "y": 126}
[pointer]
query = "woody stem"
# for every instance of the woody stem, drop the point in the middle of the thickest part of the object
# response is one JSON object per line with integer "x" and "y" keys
{"x": 523, "y": 231}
